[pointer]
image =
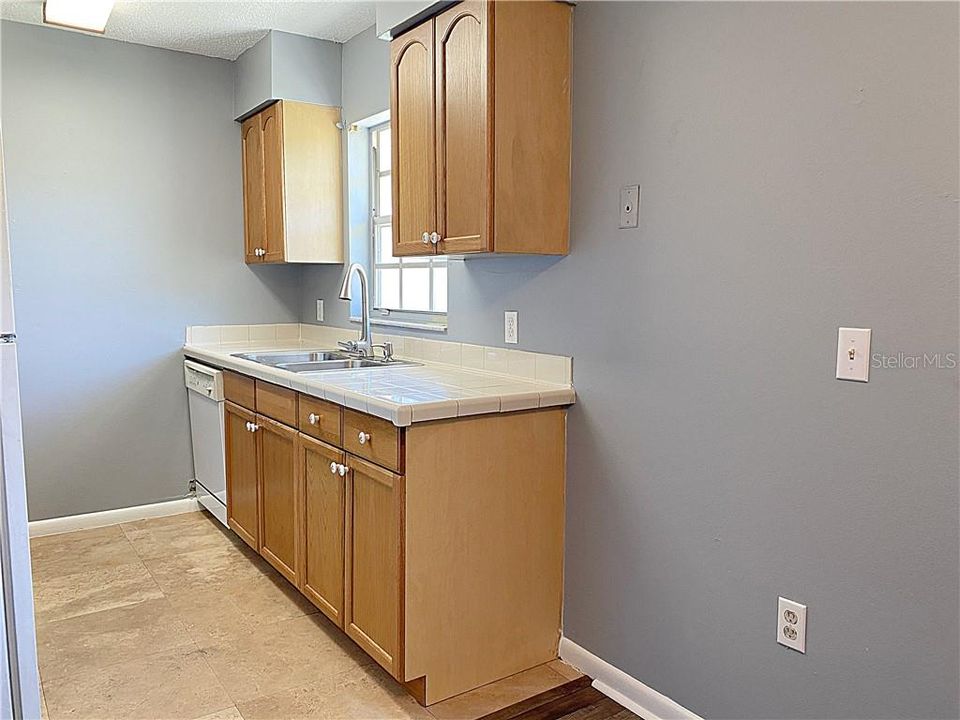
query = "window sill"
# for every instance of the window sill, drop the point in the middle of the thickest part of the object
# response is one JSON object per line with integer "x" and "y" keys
{"x": 407, "y": 324}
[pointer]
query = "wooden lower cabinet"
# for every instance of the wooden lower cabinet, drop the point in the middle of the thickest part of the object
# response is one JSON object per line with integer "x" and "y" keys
{"x": 243, "y": 498}
{"x": 440, "y": 553}
{"x": 279, "y": 497}
{"x": 374, "y": 568}
{"x": 324, "y": 499}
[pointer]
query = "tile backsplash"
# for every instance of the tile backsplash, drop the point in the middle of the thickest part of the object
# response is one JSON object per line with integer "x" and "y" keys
{"x": 514, "y": 363}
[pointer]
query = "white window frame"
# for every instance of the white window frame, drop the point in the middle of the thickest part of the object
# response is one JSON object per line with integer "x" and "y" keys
{"x": 431, "y": 262}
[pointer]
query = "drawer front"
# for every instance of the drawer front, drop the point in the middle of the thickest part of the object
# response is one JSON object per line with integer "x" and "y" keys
{"x": 239, "y": 389}
{"x": 382, "y": 440}
{"x": 277, "y": 403}
{"x": 320, "y": 419}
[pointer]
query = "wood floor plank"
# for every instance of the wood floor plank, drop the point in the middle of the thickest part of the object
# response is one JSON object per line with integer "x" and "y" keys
{"x": 539, "y": 706}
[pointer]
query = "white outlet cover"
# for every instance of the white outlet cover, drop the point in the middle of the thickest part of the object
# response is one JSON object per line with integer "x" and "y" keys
{"x": 510, "y": 329}
{"x": 319, "y": 310}
{"x": 853, "y": 354}
{"x": 792, "y": 624}
{"x": 629, "y": 206}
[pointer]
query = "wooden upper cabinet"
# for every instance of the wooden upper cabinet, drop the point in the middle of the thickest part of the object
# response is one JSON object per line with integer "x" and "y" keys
{"x": 243, "y": 495}
{"x": 500, "y": 115}
{"x": 463, "y": 128}
{"x": 292, "y": 184}
{"x": 254, "y": 211}
{"x": 414, "y": 147}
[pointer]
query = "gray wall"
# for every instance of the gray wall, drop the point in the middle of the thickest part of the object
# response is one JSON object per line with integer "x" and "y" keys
{"x": 799, "y": 172}
{"x": 366, "y": 92}
{"x": 288, "y": 66}
{"x": 123, "y": 181}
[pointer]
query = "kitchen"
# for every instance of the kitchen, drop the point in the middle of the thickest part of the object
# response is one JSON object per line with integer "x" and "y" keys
{"x": 487, "y": 492}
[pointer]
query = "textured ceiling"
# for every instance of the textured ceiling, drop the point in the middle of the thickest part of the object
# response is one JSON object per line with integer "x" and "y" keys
{"x": 218, "y": 28}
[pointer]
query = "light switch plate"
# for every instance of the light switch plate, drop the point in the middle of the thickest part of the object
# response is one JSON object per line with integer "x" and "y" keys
{"x": 629, "y": 206}
{"x": 510, "y": 329}
{"x": 853, "y": 354}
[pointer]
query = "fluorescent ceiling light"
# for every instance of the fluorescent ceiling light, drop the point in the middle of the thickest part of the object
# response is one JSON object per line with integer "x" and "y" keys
{"x": 88, "y": 15}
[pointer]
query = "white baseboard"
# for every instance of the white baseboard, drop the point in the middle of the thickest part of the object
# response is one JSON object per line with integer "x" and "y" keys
{"x": 626, "y": 690}
{"x": 55, "y": 526}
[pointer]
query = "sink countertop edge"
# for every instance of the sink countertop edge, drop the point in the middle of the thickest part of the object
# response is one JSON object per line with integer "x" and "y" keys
{"x": 503, "y": 393}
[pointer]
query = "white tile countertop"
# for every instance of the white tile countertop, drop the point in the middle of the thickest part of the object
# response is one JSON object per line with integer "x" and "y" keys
{"x": 403, "y": 395}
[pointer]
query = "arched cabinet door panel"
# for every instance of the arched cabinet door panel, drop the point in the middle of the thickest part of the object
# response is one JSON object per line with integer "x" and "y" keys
{"x": 414, "y": 148}
{"x": 464, "y": 140}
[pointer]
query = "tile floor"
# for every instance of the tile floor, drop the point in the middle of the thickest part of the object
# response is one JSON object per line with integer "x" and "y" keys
{"x": 176, "y": 618}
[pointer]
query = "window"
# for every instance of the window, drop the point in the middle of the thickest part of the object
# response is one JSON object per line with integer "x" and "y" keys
{"x": 409, "y": 284}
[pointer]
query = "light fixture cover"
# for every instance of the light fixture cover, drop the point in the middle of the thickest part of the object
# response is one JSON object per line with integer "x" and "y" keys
{"x": 91, "y": 15}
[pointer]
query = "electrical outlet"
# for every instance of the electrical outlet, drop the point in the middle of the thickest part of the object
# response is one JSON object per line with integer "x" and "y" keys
{"x": 510, "y": 329}
{"x": 629, "y": 206}
{"x": 319, "y": 310}
{"x": 792, "y": 624}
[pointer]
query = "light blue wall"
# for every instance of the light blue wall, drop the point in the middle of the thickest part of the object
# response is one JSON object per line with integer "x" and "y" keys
{"x": 253, "y": 77}
{"x": 123, "y": 182}
{"x": 799, "y": 173}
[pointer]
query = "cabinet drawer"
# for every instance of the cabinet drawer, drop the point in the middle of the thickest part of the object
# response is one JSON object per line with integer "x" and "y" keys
{"x": 382, "y": 441}
{"x": 277, "y": 403}
{"x": 239, "y": 389}
{"x": 319, "y": 419}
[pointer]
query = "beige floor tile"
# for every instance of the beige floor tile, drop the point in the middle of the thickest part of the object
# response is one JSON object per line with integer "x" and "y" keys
{"x": 230, "y": 713}
{"x": 82, "y": 551}
{"x": 98, "y": 639}
{"x": 498, "y": 695}
{"x": 235, "y": 608}
{"x": 171, "y": 685}
{"x": 189, "y": 532}
{"x": 568, "y": 671}
{"x": 206, "y": 569}
{"x": 66, "y": 596}
{"x": 293, "y": 653}
{"x": 363, "y": 693}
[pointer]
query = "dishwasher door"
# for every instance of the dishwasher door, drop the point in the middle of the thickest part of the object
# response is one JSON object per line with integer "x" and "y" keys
{"x": 205, "y": 394}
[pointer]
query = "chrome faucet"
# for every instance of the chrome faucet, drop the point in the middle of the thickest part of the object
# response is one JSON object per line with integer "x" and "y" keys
{"x": 363, "y": 346}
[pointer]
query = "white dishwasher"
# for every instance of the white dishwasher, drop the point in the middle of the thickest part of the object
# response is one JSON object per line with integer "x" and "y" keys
{"x": 205, "y": 393}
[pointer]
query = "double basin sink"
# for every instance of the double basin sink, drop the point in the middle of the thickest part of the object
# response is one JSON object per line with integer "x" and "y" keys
{"x": 303, "y": 361}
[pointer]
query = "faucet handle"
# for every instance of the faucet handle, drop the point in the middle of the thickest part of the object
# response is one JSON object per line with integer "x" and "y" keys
{"x": 349, "y": 345}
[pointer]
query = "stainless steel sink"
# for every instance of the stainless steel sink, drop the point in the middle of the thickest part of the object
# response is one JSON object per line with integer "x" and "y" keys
{"x": 293, "y": 356}
{"x": 300, "y": 361}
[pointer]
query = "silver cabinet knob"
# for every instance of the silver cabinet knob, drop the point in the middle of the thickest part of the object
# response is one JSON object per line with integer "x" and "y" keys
{"x": 426, "y": 238}
{"x": 254, "y": 427}
{"x": 249, "y": 427}
{"x": 363, "y": 437}
{"x": 342, "y": 469}
{"x": 313, "y": 418}
{"x": 333, "y": 468}
{"x": 434, "y": 237}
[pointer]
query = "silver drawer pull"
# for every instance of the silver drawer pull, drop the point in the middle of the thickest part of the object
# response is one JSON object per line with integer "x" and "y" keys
{"x": 313, "y": 418}
{"x": 333, "y": 468}
{"x": 363, "y": 437}
{"x": 342, "y": 469}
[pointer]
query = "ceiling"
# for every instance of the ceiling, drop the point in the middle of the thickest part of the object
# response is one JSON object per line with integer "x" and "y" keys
{"x": 217, "y": 28}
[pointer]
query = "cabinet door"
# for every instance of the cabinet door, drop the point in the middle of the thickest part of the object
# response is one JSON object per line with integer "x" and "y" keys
{"x": 372, "y": 611}
{"x": 324, "y": 496}
{"x": 279, "y": 496}
{"x": 243, "y": 501}
{"x": 464, "y": 122}
{"x": 254, "y": 217}
{"x": 414, "y": 152}
{"x": 272, "y": 124}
